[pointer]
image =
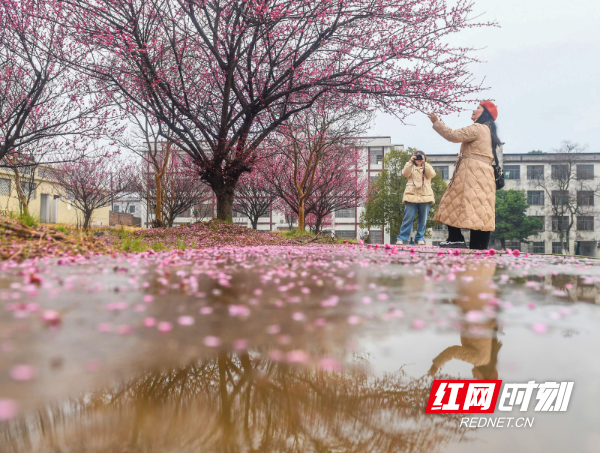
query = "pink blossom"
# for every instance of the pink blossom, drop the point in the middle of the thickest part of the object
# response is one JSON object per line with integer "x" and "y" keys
{"x": 164, "y": 326}
{"x": 212, "y": 341}
{"x": 8, "y": 409}
{"x": 149, "y": 322}
{"x": 186, "y": 321}
{"x": 22, "y": 372}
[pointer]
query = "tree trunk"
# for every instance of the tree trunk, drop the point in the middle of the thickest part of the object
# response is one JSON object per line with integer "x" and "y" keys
{"x": 318, "y": 225}
{"x": 225, "y": 203}
{"x": 158, "y": 221}
{"x": 254, "y": 222}
{"x": 87, "y": 217}
{"x": 23, "y": 207}
{"x": 301, "y": 226}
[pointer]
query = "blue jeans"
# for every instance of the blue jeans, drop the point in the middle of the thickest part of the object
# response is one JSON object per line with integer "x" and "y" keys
{"x": 410, "y": 210}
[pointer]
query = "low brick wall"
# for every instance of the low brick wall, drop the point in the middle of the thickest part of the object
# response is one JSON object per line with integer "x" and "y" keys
{"x": 123, "y": 218}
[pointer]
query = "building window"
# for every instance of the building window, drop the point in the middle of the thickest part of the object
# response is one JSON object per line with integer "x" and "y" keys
{"x": 560, "y": 171}
{"x": 442, "y": 171}
{"x": 585, "y": 171}
{"x": 346, "y": 234}
{"x": 560, "y": 223}
{"x": 585, "y": 223}
{"x": 557, "y": 248}
{"x": 585, "y": 198}
{"x": 439, "y": 226}
{"x": 560, "y": 197}
{"x": 376, "y": 155}
{"x": 539, "y": 247}
{"x": 5, "y": 187}
{"x": 535, "y": 172}
{"x": 116, "y": 208}
{"x": 512, "y": 172}
{"x": 543, "y": 219}
{"x": 376, "y": 236}
{"x": 535, "y": 197}
{"x": 344, "y": 213}
{"x": 132, "y": 209}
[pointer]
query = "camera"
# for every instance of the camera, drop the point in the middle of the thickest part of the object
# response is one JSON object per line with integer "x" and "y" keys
{"x": 419, "y": 157}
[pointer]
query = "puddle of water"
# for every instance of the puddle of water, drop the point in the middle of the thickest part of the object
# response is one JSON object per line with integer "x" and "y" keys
{"x": 289, "y": 349}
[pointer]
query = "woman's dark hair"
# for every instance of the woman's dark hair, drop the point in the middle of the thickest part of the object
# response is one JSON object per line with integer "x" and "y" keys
{"x": 486, "y": 118}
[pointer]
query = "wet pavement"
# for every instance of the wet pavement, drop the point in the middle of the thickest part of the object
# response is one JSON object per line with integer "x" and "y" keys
{"x": 277, "y": 349}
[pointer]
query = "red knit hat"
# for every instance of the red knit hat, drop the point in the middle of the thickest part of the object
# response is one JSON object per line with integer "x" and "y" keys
{"x": 491, "y": 108}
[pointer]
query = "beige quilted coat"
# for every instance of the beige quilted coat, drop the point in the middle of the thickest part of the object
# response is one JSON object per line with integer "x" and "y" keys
{"x": 418, "y": 189}
{"x": 470, "y": 200}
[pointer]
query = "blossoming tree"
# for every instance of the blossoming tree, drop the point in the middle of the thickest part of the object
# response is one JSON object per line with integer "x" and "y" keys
{"x": 315, "y": 162}
{"x": 45, "y": 106}
{"x": 221, "y": 75}
{"x": 91, "y": 183}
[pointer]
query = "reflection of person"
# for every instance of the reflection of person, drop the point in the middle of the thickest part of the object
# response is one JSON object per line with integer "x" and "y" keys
{"x": 479, "y": 342}
{"x": 470, "y": 200}
{"x": 418, "y": 197}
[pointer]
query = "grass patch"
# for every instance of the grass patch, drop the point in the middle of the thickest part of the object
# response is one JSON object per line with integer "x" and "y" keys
{"x": 26, "y": 219}
{"x": 295, "y": 233}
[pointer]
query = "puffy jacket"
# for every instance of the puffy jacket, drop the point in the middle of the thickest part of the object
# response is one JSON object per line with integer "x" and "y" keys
{"x": 470, "y": 200}
{"x": 418, "y": 189}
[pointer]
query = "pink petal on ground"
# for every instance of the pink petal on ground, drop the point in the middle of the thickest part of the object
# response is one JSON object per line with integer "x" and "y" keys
{"x": 212, "y": 342}
{"x": 297, "y": 356}
{"x": 164, "y": 326}
{"x": 531, "y": 305}
{"x": 298, "y": 316}
{"x": 320, "y": 322}
{"x": 539, "y": 327}
{"x": 8, "y": 409}
{"x": 22, "y": 372}
{"x": 474, "y": 316}
{"x": 186, "y": 321}
{"x": 50, "y": 317}
{"x": 329, "y": 364}
{"x": 104, "y": 327}
{"x": 418, "y": 324}
{"x": 148, "y": 298}
{"x": 240, "y": 344}
{"x": 382, "y": 296}
{"x": 354, "y": 320}
{"x": 206, "y": 310}
{"x": 149, "y": 322}
{"x": 124, "y": 329}
{"x": 274, "y": 329}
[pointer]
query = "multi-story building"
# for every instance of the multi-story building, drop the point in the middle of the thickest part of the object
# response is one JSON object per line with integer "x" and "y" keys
{"x": 345, "y": 222}
{"x": 560, "y": 189}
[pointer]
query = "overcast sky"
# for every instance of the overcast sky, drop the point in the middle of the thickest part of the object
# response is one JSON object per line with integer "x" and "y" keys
{"x": 543, "y": 69}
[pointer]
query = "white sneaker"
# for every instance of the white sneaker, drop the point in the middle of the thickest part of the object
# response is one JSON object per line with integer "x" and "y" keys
{"x": 421, "y": 243}
{"x": 399, "y": 242}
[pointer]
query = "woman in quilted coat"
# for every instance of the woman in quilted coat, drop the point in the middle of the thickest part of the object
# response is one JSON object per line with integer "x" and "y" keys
{"x": 470, "y": 200}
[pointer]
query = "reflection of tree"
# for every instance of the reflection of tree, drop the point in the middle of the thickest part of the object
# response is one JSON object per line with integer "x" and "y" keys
{"x": 242, "y": 403}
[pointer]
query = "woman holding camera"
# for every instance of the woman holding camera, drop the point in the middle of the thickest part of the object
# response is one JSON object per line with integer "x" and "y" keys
{"x": 418, "y": 197}
{"x": 470, "y": 200}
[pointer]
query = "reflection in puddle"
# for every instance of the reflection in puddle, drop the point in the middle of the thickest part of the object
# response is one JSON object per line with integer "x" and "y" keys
{"x": 327, "y": 330}
{"x": 238, "y": 403}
